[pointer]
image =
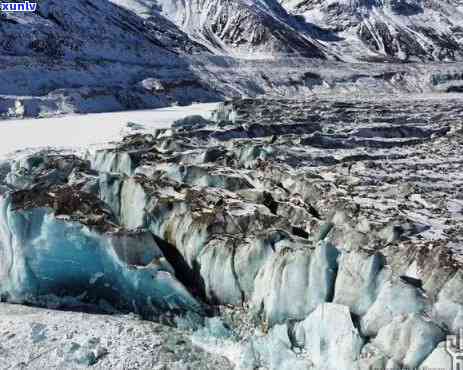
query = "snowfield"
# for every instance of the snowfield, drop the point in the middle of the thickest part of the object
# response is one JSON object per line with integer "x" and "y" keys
{"x": 36, "y": 338}
{"x": 77, "y": 131}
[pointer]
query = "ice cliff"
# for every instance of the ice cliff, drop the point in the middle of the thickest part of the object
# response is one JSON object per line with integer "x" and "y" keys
{"x": 59, "y": 241}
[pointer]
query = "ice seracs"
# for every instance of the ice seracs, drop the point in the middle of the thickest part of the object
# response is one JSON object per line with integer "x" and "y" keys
{"x": 311, "y": 225}
{"x": 58, "y": 240}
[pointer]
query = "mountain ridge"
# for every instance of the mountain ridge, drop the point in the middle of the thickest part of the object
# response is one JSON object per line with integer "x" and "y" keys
{"x": 402, "y": 30}
{"x": 116, "y": 55}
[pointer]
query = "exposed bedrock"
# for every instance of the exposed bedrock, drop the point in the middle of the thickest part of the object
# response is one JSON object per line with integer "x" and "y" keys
{"x": 343, "y": 259}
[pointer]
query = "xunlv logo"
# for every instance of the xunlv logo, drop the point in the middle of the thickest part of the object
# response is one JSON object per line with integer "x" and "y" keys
{"x": 18, "y": 7}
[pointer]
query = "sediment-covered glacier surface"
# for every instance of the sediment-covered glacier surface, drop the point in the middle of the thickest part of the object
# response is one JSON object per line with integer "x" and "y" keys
{"x": 281, "y": 234}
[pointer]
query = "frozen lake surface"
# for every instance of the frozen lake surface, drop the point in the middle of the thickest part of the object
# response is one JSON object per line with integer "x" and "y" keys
{"x": 75, "y": 131}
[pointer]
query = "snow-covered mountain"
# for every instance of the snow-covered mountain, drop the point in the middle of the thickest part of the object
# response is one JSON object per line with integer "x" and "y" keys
{"x": 420, "y": 30}
{"x": 83, "y": 56}
{"x": 245, "y": 28}
{"x": 401, "y": 30}
{"x": 253, "y": 29}
{"x": 89, "y": 56}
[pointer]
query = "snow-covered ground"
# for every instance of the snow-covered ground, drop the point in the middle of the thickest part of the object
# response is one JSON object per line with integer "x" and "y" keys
{"x": 36, "y": 338}
{"x": 76, "y": 131}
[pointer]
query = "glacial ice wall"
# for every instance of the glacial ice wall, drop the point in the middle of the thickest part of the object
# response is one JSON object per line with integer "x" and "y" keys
{"x": 46, "y": 255}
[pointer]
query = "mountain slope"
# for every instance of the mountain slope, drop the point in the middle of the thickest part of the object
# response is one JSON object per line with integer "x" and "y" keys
{"x": 110, "y": 55}
{"x": 89, "y": 56}
{"x": 408, "y": 30}
{"x": 241, "y": 28}
{"x": 84, "y": 29}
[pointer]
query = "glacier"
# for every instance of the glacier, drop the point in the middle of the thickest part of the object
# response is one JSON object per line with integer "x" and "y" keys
{"x": 44, "y": 254}
{"x": 279, "y": 251}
